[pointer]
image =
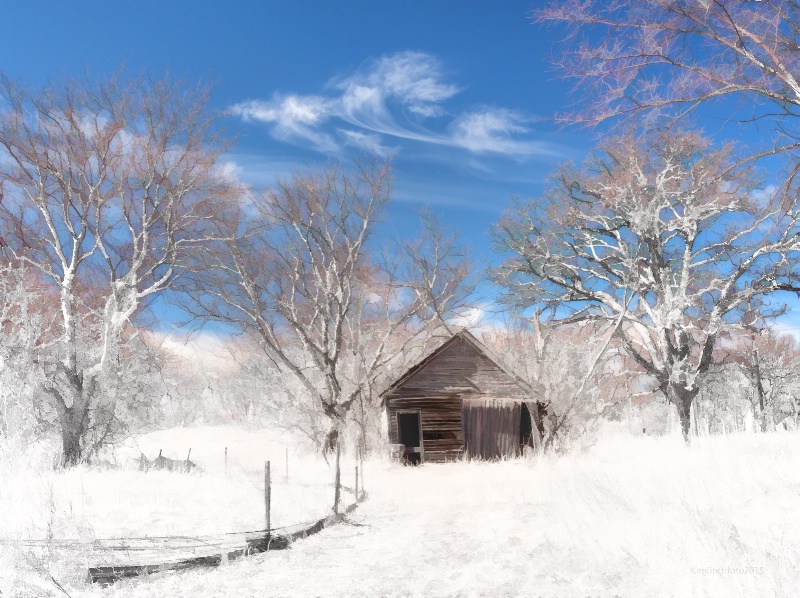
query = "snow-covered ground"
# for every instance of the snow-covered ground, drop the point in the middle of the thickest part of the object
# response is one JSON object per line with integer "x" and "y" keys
{"x": 631, "y": 517}
{"x": 76, "y": 518}
{"x": 214, "y": 499}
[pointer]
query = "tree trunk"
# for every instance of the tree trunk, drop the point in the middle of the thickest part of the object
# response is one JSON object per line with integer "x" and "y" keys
{"x": 536, "y": 435}
{"x": 73, "y": 427}
{"x": 685, "y": 417}
{"x": 760, "y": 416}
{"x": 683, "y": 398}
{"x": 73, "y": 420}
{"x": 537, "y": 412}
{"x": 338, "y": 483}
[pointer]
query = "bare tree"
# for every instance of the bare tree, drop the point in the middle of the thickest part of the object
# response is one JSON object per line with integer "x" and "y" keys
{"x": 662, "y": 235}
{"x": 670, "y": 57}
{"x": 556, "y": 362}
{"x": 724, "y": 399}
{"x": 419, "y": 286}
{"x": 26, "y": 315}
{"x": 302, "y": 273}
{"x": 261, "y": 392}
{"x": 770, "y": 362}
{"x": 106, "y": 188}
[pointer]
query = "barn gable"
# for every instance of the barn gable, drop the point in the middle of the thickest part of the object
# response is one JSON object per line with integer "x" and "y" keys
{"x": 462, "y": 366}
{"x": 431, "y": 409}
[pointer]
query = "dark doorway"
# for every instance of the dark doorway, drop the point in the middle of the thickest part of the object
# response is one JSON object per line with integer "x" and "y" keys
{"x": 525, "y": 427}
{"x": 408, "y": 425}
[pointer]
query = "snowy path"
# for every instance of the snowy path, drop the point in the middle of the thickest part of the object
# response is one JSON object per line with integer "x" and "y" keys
{"x": 398, "y": 543}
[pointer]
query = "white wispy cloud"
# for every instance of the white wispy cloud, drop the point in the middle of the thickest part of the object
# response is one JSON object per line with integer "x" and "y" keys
{"x": 414, "y": 79}
{"x": 366, "y": 141}
{"x": 484, "y": 317}
{"x": 402, "y": 96}
{"x": 492, "y": 130}
{"x": 230, "y": 169}
{"x": 294, "y": 118}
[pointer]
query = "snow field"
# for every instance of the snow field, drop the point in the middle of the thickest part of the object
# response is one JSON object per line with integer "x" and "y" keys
{"x": 631, "y": 517}
{"x": 71, "y": 518}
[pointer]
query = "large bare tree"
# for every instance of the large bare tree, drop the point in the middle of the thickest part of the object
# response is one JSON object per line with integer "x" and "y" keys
{"x": 106, "y": 188}
{"x": 661, "y": 234}
{"x": 304, "y": 273}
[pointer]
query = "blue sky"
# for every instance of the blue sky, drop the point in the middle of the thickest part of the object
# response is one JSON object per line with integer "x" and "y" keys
{"x": 457, "y": 91}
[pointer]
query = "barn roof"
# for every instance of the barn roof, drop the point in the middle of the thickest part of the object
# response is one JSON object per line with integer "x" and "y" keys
{"x": 464, "y": 335}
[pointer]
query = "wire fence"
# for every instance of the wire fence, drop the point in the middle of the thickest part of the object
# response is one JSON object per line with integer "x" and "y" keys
{"x": 177, "y": 541}
{"x": 122, "y": 541}
{"x": 216, "y": 554}
{"x": 109, "y": 559}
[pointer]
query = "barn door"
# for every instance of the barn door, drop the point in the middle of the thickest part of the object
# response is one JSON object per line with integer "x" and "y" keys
{"x": 409, "y": 430}
{"x": 491, "y": 428}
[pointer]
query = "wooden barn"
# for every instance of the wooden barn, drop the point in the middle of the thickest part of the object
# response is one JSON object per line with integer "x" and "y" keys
{"x": 459, "y": 400}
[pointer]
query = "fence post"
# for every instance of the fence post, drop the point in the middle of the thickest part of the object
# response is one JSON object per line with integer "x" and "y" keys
{"x": 187, "y": 458}
{"x": 226, "y": 461}
{"x": 267, "y": 498}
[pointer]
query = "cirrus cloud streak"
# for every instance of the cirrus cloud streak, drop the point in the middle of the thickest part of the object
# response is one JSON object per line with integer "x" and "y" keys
{"x": 402, "y": 97}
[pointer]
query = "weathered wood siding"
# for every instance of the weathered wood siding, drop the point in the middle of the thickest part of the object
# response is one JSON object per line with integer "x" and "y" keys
{"x": 438, "y": 388}
{"x": 459, "y": 369}
{"x": 440, "y": 420}
{"x": 491, "y": 428}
